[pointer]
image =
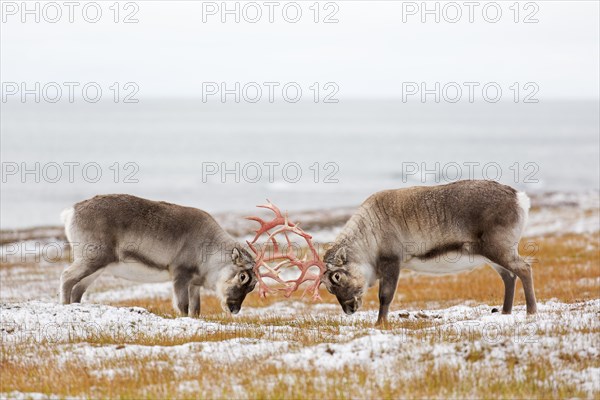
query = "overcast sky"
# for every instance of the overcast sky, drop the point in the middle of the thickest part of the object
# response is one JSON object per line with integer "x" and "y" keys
{"x": 369, "y": 53}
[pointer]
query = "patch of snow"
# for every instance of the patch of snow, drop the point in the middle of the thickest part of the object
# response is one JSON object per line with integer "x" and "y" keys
{"x": 588, "y": 282}
{"x": 226, "y": 351}
{"x": 550, "y": 221}
{"x": 162, "y": 290}
{"x": 55, "y": 323}
{"x": 189, "y": 387}
{"x": 16, "y": 395}
{"x": 588, "y": 379}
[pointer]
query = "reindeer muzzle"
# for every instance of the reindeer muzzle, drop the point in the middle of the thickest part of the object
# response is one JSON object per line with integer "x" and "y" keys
{"x": 351, "y": 306}
{"x": 234, "y": 308}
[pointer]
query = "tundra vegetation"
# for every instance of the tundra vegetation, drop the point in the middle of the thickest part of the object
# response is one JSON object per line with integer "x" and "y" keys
{"x": 441, "y": 340}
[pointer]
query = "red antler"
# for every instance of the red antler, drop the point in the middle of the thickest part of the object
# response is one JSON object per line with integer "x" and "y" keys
{"x": 280, "y": 225}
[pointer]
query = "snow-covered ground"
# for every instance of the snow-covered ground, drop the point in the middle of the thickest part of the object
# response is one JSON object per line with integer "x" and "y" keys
{"x": 69, "y": 326}
{"x": 451, "y": 336}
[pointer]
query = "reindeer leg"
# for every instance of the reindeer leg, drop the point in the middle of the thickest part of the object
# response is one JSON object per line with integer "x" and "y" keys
{"x": 194, "y": 296}
{"x": 517, "y": 266}
{"x": 180, "y": 293}
{"x": 389, "y": 270}
{"x": 80, "y": 288}
{"x": 73, "y": 276}
{"x": 523, "y": 270}
{"x": 509, "y": 280}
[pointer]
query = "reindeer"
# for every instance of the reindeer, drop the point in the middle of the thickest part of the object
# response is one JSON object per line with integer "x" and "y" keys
{"x": 149, "y": 241}
{"x": 435, "y": 230}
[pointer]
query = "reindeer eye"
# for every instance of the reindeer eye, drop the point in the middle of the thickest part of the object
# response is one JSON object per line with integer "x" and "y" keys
{"x": 335, "y": 278}
{"x": 244, "y": 277}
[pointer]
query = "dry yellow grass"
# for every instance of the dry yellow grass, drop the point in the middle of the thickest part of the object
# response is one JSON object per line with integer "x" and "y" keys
{"x": 157, "y": 378}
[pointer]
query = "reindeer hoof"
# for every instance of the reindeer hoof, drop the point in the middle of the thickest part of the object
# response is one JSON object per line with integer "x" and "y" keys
{"x": 381, "y": 323}
{"x": 495, "y": 310}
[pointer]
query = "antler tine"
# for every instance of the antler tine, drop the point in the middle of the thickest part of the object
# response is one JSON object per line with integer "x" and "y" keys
{"x": 251, "y": 246}
{"x": 272, "y": 207}
{"x": 266, "y": 226}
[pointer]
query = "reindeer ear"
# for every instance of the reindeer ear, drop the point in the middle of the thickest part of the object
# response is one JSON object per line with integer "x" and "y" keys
{"x": 340, "y": 256}
{"x": 236, "y": 257}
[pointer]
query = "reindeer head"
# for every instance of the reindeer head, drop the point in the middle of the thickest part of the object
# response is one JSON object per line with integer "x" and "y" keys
{"x": 344, "y": 278}
{"x": 237, "y": 281}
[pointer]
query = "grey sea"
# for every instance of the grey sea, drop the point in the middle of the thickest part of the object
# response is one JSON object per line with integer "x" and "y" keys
{"x": 304, "y": 156}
